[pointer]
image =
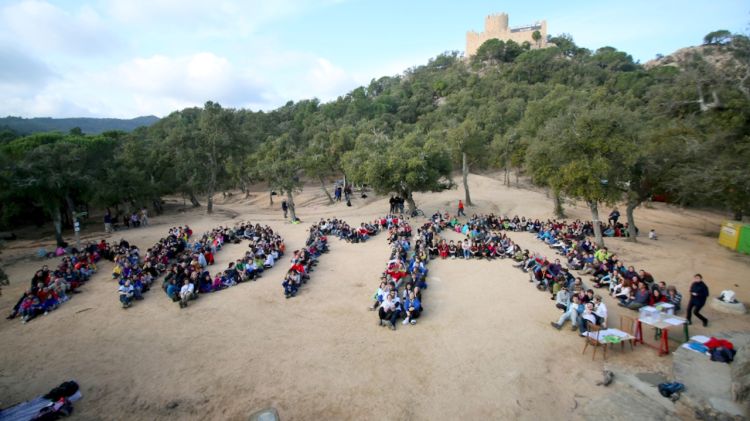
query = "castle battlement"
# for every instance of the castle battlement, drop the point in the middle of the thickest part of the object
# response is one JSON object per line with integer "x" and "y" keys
{"x": 496, "y": 26}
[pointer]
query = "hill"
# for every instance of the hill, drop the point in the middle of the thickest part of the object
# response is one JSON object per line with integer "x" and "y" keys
{"x": 26, "y": 126}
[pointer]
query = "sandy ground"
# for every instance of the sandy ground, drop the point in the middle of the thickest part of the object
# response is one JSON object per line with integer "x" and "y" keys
{"x": 483, "y": 349}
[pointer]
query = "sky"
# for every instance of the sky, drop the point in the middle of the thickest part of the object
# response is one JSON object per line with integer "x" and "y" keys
{"x": 128, "y": 58}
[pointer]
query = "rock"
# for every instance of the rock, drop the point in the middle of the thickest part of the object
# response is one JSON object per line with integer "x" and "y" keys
{"x": 268, "y": 414}
{"x": 740, "y": 372}
{"x": 730, "y": 308}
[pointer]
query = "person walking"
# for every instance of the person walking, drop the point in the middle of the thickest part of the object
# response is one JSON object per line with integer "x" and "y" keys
{"x": 461, "y": 208}
{"x": 698, "y": 296}
{"x": 284, "y": 208}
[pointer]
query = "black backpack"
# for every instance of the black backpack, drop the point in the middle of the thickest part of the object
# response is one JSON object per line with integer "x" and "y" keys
{"x": 669, "y": 389}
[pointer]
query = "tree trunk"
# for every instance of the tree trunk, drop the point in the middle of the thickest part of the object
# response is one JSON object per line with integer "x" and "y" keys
{"x": 410, "y": 201}
{"x": 465, "y": 173}
{"x": 632, "y": 231}
{"x": 557, "y": 198}
{"x": 516, "y": 174}
{"x": 156, "y": 202}
{"x": 506, "y": 176}
{"x": 210, "y": 198}
{"x": 71, "y": 209}
{"x": 57, "y": 221}
{"x": 290, "y": 204}
{"x": 594, "y": 206}
{"x": 243, "y": 187}
{"x": 325, "y": 190}
{"x": 194, "y": 200}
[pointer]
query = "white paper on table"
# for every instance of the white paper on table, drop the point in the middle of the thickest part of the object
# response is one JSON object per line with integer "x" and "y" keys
{"x": 673, "y": 321}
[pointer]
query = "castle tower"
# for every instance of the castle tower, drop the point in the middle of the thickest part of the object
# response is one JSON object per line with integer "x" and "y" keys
{"x": 496, "y": 23}
{"x": 496, "y": 26}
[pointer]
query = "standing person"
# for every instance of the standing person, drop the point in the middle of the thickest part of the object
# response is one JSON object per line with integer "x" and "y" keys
{"x": 392, "y": 202}
{"x": 613, "y": 217}
{"x": 698, "y": 296}
{"x": 347, "y": 192}
{"x": 284, "y": 208}
{"x": 144, "y": 216}
{"x": 108, "y": 221}
{"x": 337, "y": 193}
{"x": 461, "y": 208}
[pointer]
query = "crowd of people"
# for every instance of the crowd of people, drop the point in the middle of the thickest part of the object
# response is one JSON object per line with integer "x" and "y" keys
{"x": 50, "y": 289}
{"x": 188, "y": 276}
{"x": 485, "y": 239}
{"x": 633, "y": 289}
{"x": 399, "y": 295}
{"x": 138, "y": 218}
{"x": 135, "y": 274}
{"x": 305, "y": 259}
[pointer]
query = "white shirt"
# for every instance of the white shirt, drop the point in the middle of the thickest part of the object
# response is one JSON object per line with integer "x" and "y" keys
{"x": 601, "y": 311}
{"x": 187, "y": 289}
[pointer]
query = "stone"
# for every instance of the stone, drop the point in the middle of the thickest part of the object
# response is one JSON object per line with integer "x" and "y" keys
{"x": 729, "y": 308}
{"x": 267, "y": 414}
{"x": 740, "y": 372}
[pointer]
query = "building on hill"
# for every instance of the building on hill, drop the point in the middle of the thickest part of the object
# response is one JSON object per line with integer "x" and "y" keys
{"x": 496, "y": 26}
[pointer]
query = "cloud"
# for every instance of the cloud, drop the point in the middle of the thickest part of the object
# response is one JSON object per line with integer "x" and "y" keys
{"x": 43, "y": 28}
{"x": 218, "y": 18}
{"x": 22, "y": 72}
{"x": 190, "y": 79}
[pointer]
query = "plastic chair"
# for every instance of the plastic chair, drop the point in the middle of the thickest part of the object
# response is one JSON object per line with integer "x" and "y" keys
{"x": 592, "y": 338}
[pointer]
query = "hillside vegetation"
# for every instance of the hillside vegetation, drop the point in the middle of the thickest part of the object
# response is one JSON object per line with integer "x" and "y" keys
{"x": 25, "y": 126}
{"x": 590, "y": 125}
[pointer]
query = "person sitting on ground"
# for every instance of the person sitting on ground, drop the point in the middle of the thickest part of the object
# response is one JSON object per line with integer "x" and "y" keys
{"x": 587, "y": 318}
{"x": 562, "y": 300}
{"x": 674, "y": 298}
{"x": 452, "y": 250}
{"x": 388, "y": 310}
{"x": 413, "y": 308}
{"x": 656, "y": 297}
{"x": 126, "y": 291}
{"x": 574, "y": 309}
{"x": 600, "y": 311}
{"x": 30, "y": 308}
{"x": 637, "y": 299}
{"x": 172, "y": 290}
{"x": 291, "y": 283}
{"x": 186, "y": 293}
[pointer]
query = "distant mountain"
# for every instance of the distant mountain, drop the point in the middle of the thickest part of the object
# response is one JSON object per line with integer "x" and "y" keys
{"x": 24, "y": 126}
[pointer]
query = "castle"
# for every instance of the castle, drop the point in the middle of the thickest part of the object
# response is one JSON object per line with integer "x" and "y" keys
{"x": 496, "y": 26}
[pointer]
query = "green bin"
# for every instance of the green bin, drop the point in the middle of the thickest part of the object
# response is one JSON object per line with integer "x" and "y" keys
{"x": 743, "y": 245}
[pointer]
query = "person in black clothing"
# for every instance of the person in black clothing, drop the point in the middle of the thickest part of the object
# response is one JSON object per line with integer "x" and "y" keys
{"x": 284, "y": 208}
{"x": 698, "y": 296}
{"x": 613, "y": 217}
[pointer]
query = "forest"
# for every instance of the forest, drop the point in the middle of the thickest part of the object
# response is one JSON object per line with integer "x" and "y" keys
{"x": 593, "y": 126}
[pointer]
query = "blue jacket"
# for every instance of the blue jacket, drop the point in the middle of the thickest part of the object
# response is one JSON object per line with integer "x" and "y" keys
{"x": 413, "y": 303}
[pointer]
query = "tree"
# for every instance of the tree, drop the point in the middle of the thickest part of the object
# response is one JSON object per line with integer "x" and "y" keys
{"x": 468, "y": 145}
{"x": 582, "y": 151}
{"x": 720, "y": 37}
{"x": 409, "y": 164}
{"x": 217, "y": 139}
{"x": 537, "y": 37}
{"x": 279, "y": 162}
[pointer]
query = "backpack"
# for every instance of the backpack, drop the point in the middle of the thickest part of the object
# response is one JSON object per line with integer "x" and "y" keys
{"x": 722, "y": 354}
{"x": 348, "y": 203}
{"x": 669, "y": 389}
